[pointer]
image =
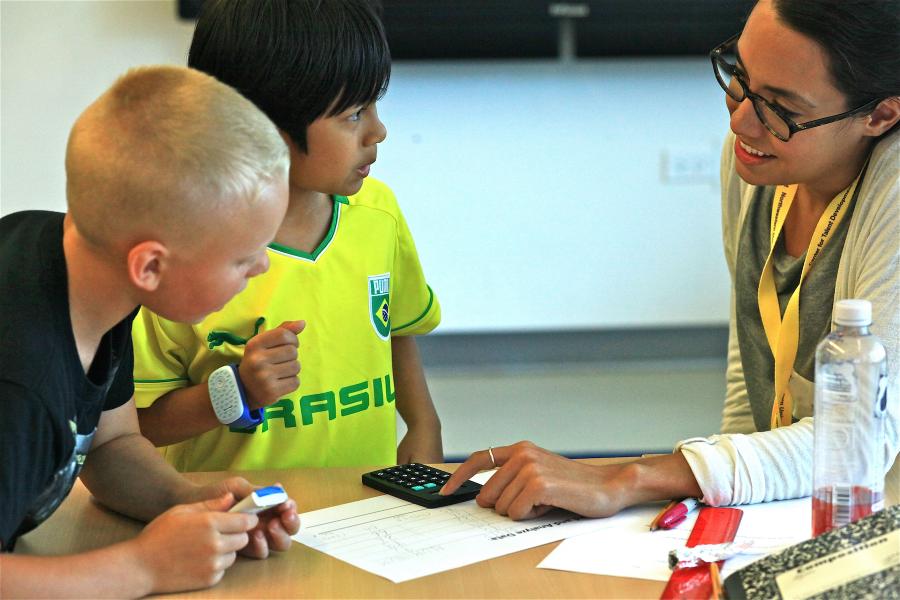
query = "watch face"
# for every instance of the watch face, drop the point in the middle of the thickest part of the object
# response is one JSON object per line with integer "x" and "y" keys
{"x": 225, "y": 395}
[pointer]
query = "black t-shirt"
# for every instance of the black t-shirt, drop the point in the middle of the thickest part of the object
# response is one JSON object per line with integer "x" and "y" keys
{"x": 49, "y": 408}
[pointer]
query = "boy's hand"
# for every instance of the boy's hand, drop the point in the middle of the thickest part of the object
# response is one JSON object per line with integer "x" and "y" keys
{"x": 274, "y": 531}
{"x": 190, "y": 545}
{"x": 421, "y": 444}
{"x": 276, "y": 525}
{"x": 270, "y": 369}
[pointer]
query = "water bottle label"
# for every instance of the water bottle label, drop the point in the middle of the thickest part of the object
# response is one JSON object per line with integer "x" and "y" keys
{"x": 838, "y": 384}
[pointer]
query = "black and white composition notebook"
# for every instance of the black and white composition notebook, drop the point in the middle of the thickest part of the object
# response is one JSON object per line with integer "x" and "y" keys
{"x": 860, "y": 560}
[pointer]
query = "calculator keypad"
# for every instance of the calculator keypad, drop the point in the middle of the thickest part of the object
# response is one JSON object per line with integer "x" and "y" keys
{"x": 419, "y": 484}
{"x": 414, "y": 476}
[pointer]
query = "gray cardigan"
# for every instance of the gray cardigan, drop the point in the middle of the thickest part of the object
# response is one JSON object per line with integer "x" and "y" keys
{"x": 742, "y": 466}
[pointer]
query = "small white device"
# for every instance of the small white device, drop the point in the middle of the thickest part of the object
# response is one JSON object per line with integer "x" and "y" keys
{"x": 229, "y": 401}
{"x": 261, "y": 499}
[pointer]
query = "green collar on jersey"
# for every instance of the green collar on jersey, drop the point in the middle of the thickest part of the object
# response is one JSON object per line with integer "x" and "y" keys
{"x": 338, "y": 200}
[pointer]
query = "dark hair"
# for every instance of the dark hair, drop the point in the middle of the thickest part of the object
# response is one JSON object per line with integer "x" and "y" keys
{"x": 861, "y": 39}
{"x": 297, "y": 60}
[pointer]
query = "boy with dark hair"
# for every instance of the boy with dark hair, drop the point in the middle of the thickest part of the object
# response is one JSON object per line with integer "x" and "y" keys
{"x": 162, "y": 172}
{"x": 343, "y": 259}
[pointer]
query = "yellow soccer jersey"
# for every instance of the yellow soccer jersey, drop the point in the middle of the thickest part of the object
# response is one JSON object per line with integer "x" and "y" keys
{"x": 361, "y": 285}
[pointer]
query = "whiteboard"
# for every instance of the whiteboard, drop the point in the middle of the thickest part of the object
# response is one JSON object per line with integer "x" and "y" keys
{"x": 537, "y": 191}
{"x": 539, "y": 195}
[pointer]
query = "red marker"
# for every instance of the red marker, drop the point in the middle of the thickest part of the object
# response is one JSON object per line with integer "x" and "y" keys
{"x": 677, "y": 513}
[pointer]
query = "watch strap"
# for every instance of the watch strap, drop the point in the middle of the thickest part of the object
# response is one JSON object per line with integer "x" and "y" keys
{"x": 229, "y": 399}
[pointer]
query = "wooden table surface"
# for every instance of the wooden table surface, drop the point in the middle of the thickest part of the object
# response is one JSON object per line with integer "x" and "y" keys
{"x": 82, "y": 524}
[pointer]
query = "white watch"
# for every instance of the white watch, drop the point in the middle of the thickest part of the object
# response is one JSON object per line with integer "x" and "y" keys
{"x": 229, "y": 401}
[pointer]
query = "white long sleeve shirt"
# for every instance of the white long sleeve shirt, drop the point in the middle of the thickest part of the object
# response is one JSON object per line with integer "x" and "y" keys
{"x": 742, "y": 465}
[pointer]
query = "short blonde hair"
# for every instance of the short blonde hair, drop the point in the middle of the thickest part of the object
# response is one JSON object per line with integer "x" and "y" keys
{"x": 164, "y": 152}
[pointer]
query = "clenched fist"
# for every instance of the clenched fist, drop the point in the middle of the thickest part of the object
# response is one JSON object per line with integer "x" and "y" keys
{"x": 270, "y": 369}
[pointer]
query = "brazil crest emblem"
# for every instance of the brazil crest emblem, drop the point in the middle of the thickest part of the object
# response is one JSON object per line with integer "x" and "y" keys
{"x": 379, "y": 300}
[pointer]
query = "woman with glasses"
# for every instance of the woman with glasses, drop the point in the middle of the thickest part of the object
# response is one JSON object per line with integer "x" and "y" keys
{"x": 813, "y": 163}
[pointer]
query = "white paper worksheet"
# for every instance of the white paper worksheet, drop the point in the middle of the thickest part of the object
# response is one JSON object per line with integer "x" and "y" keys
{"x": 402, "y": 541}
{"x": 630, "y": 550}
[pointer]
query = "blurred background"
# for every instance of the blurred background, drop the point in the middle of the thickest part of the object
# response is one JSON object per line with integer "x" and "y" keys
{"x": 557, "y": 163}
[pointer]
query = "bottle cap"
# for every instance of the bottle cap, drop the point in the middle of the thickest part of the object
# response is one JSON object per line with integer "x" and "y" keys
{"x": 854, "y": 313}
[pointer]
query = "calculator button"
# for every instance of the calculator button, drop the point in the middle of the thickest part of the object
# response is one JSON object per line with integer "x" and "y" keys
{"x": 430, "y": 485}
{"x": 417, "y": 488}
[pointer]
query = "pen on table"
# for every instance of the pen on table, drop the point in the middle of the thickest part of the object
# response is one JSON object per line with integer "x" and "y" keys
{"x": 715, "y": 581}
{"x": 655, "y": 521}
{"x": 674, "y": 513}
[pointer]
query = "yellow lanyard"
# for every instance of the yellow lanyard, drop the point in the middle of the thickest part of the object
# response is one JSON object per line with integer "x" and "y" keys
{"x": 783, "y": 333}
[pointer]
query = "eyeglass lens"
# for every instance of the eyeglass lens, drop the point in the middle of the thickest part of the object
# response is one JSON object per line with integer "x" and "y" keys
{"x": 725, "y": 68}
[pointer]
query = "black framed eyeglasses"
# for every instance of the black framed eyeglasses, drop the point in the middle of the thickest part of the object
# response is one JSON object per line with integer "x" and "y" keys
{"x": 775, "y": 118}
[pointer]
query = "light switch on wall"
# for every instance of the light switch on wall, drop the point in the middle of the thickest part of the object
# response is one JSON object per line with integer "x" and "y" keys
{"x": 689, "y": 166}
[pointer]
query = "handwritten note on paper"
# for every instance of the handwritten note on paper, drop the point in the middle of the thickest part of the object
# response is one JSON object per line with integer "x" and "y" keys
{"x": 633, "y": 551}
{"x": 402, "y": 541}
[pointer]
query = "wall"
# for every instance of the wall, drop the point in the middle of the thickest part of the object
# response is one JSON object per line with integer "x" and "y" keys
{"x": 543, "y": 195}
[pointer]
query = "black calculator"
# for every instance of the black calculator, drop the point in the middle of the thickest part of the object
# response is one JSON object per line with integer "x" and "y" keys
{"x": 419, "y": 484}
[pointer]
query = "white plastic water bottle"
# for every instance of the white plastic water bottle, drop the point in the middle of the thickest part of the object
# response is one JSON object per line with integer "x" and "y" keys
{"x": 850, "y": 405}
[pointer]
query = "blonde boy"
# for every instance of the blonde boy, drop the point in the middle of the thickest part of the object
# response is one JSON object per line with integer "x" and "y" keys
{"x": 164, "y": 171}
